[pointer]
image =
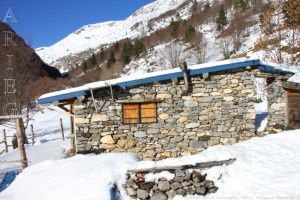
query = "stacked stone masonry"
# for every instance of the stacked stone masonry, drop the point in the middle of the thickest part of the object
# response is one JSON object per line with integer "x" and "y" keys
{"x": 218, "y": 110}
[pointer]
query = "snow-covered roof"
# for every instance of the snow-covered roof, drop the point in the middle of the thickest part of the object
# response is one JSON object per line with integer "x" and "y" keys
{"x": 127, "y": 81}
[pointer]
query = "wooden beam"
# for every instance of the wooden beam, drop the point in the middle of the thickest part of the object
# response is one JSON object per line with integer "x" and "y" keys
{"x": 290, "y": 86}
{"x": 200, "y": 165}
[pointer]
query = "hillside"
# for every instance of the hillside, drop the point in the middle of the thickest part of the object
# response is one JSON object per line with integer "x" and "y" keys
{"x": 255, "y": 28}
{"x": 32, "y": 76}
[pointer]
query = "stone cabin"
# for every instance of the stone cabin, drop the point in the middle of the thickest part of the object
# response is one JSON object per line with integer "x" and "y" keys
{"x": 174, "y": 112}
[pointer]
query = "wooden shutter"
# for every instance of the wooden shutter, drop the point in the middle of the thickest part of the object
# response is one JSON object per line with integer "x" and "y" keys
{"x": 131, "y": 113}
{"x": 148, "y": 113}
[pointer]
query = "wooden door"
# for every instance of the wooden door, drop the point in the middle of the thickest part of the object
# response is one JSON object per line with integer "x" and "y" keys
{"x": 293, "y": 110}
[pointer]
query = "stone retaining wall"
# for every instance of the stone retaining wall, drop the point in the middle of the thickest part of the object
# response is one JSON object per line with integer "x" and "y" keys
{"x": 219, "y": 110}
{"x": 180, "y": 182}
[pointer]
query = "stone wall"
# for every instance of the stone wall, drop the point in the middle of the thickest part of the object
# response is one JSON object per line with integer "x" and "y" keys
{"x": 276, "y": 104}
{"x": 219, "y": 110}
{"x": 179, "y": 182}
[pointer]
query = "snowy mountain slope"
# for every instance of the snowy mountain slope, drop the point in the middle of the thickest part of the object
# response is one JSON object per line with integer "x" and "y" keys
{"x": 95, "y": 35}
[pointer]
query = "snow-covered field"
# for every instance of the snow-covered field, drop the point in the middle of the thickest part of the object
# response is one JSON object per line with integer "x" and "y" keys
{"x": 48, "y": 143}
{"x": 266, "y": 168}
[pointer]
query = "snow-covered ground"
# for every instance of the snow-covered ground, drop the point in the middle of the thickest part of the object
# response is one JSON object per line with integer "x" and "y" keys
{"x": 266, "y": 167}
{"x": 48, "y": 143}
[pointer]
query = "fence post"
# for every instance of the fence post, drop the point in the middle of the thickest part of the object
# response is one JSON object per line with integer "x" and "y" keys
{"x": 32, "y": 134}
{"x": 20, "y": 132}
{"x": 62, "y": 129}
{"x": 5, "y": 141}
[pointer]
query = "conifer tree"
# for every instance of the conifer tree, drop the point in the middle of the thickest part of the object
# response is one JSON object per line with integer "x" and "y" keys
{"x": 139, "y": 47}
{"x": 174, "y": 28}
{"x": 190, "y": 33}
{"x": 127, "y": 51}
{"x": 93, "y": 60}
{"x": 222, "y": 19}
{"x": 84, "y": 66}
{"x": 240, "y": 5}
{"x": 111, "y": 59}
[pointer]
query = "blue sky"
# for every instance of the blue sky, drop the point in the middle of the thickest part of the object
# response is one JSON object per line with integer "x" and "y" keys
{"x": 44, "y": 22}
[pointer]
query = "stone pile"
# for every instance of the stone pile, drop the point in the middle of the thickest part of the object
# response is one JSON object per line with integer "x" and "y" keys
{"x": 184, "y": 183}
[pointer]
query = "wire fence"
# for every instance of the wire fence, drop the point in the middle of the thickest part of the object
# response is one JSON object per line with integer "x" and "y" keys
{"x": 31, "y": 139}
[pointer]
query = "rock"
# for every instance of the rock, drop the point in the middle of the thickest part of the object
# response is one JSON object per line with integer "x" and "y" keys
{"x": 163, "y": 116}
{"x": 191, "y": 104}
{"x": 136, "y": 91}
{"x": 147, "y": 186}
{"x": 181, "y": 192}
{"x": 107, "y": 140}
{"x": 228, "y": 91}
{"x": 159, "y": 196}
{"x": 209, "y": 184}
{"x": 200, "y": 94}
{"x": 81, "y": 120}
{"x": 228, "y": 98}
{"x": 163, "y": 186}
{"x": 142, "y": 194}
{"x": 140, "y": 134}
{"x": 130, "y": 191}
{"x": 175, "y": 186}
{"x": 99, "y": 118}
{"x": 192, "y": 125}
{"x": 126, "y": 144}
{"x": 164, "y": 96}
{"x": 215, "y": 94}
{"x": 180, "y": 173}
{"x": 182, "y": 119}
{"x": 179, "y": 179}
{"x": 212, "y": 189}
{"x": 171, "y": 194}
{"x": 197, "y": 144}
{"x": 201, "y": 190}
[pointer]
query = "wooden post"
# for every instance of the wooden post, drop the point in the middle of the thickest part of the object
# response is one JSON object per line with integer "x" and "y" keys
{"x": 20, "y": 132}
{"x": 32, "y": 134}
{"x": 62, "y": 129}
{"x": 73, "y": 139}
{"x": 5, "y": 141}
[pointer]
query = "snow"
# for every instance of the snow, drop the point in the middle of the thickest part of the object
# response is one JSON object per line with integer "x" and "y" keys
{"x": 261, "y": 108}
{"x": 38, "y": 153}
{"x": 152, "y": 177}
{"x": 295, "y": 78}
{"x": 265, "y": 167}
{"x": 48, "y": 143}
{"x": 78, "y": 178}
{"x": 139, "y": 76}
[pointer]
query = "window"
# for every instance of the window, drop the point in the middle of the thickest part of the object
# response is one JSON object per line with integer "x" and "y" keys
{"x": 135, "y": 113}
